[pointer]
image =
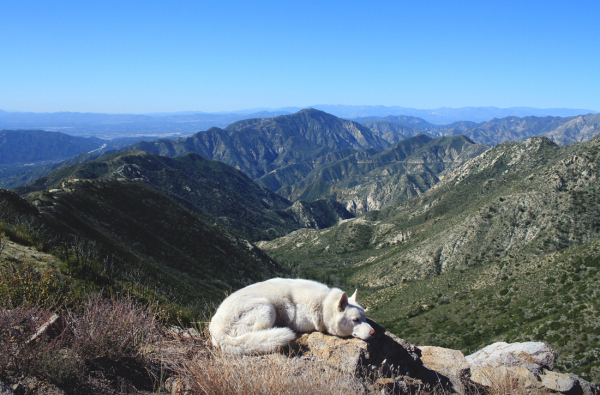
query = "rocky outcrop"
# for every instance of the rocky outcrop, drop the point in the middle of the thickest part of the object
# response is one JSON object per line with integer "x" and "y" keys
{"x": 403, "y": 368}
{"x": 383, "y": 353}
{"x": 399, "y": 366}
{"x": 530, "y": 364}
{"x": 319, "y": 214}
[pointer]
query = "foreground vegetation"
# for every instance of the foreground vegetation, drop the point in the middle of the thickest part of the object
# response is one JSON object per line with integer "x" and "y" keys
{"x": 553, "y": 299}
{"x": 115, "y": 346}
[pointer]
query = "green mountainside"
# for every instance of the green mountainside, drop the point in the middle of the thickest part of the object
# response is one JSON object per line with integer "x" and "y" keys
{"x": 522, "y": 297}
{"x": 533, "y": 196}
{"x": 124, "y": 230}
{"x": 372, "y": 180}
{"x": 211, "y": 188}
{"x": 504, "y": 247}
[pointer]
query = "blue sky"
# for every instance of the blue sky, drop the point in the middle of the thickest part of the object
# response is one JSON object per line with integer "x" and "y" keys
{"x": 151, "y": 56}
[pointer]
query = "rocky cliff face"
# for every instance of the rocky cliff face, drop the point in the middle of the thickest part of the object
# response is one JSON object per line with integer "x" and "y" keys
{"x": 374, "y": 180}
{"x": 259, "y": 146}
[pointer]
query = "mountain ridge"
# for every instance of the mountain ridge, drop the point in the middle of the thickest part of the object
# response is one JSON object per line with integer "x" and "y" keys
{"x": 563, "y": 130}
{"x": 210, "y": 188}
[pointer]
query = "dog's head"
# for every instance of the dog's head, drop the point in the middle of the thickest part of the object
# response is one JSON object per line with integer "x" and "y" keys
{"x": 351, "y": 318}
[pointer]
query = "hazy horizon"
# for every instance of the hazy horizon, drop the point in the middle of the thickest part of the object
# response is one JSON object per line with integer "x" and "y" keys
{"x": 297, "y": 108}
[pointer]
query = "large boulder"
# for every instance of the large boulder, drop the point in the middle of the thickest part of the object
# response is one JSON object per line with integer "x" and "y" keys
{"x": 535, "y": 356}
{"x": 528, "y": 364}
{"x": 384, "y": 352}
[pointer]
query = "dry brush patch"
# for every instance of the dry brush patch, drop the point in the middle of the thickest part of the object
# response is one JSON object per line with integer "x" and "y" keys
{"x": 206, "y": 371}
{"x": 104, "y": 332}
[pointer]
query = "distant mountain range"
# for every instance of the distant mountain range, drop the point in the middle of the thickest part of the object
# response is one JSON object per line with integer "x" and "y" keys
{"x": 185, "y": 123}
{"x": 313, "y": 155}
{"x": 447, "y": 115}
{"x": 259, "y": 146}
{"x": 563, "y": 131}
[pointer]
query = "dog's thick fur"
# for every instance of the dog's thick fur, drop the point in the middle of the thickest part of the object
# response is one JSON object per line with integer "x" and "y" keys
{"x": 266, "y": 316}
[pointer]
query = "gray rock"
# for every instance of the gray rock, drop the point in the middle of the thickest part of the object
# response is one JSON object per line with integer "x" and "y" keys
{"x": 404, "y": 367}
{"x": 533, "y": 355}
{"x": 559, "y": 382}
{"x": 448, "y": 364}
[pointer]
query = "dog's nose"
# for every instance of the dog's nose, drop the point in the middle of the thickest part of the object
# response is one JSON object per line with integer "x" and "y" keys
{"x": 372, "y": 332}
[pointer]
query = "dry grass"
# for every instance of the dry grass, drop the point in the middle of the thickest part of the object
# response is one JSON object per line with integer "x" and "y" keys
{"x": 503, "y": 380}
{"x": 195, "y": 366}
{"x": 106, "y": 329}
{"x": 215, "y": 373}
{"x": 112, "y": 328}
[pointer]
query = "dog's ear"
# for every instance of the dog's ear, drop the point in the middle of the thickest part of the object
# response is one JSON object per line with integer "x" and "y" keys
{"x": 343, "y": 302}
{"x": 353, "y": 297}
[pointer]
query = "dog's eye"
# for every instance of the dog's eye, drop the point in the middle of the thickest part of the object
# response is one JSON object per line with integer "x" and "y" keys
{"x": 356, "y": 319}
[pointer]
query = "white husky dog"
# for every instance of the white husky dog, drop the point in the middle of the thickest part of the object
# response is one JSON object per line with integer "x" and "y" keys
{"x": 265, "y": 316}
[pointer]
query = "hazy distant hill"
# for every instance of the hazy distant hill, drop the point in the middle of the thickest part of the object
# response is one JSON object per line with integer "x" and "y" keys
{"x": 563, "y": 131}
{"x": 26, "y": 155}
{"x": 31, "y": 146}
{"x": 392, "y": 132}
{"x": 446, "y": 115}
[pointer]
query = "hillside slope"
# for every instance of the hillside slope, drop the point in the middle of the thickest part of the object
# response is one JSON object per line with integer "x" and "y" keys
{"x": 144, "y": 238}
{"x": 532, "y": 197}
{"x": 211, "y": 188}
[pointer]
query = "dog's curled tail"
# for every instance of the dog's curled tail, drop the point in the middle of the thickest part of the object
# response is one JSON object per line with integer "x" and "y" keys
{"x": 259, "y": 342}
